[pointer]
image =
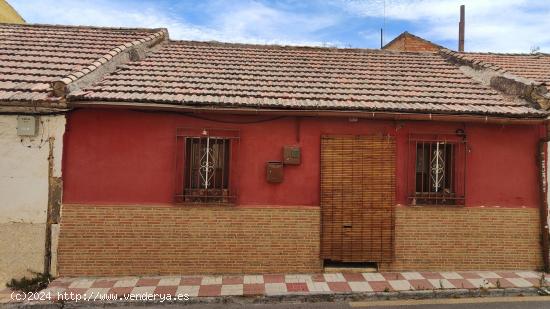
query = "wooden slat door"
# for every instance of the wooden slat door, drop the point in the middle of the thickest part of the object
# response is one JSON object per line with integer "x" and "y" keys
{"x": 357, "y": 198}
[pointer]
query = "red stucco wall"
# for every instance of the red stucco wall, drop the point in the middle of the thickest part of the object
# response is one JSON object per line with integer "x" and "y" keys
{"x": 128, "y": 157}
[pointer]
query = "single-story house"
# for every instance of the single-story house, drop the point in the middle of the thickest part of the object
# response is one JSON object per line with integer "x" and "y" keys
{"x": 32, "y": 126}
{"x": 206, "y": 157}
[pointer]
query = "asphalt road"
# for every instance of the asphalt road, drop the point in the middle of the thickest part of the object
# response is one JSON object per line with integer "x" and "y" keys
{"x": 462, "y": 303}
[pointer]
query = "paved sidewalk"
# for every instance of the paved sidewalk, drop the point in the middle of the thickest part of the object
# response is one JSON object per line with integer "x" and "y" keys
{"x": 278, "y": 285}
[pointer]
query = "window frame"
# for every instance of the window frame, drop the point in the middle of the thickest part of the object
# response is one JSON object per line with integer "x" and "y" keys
{"x": 457, "y": 195}
{"x": 213, "y": 184}
{"x": 181, "y": 195}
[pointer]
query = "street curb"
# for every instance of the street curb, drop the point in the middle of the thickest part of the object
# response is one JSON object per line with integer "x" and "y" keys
{"x": 294, "y": 298}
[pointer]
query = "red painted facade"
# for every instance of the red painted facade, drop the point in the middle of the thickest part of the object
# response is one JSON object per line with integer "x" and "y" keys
{"x": 129, "y": 157}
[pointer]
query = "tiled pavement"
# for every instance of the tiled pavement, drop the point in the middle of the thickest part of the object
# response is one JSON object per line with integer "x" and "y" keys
{"x": 270, "y": 285}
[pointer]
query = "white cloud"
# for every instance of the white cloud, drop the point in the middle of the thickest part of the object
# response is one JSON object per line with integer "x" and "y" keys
{"x": 245, "y": 22}
{"x": 505, "y": 25}
{"x": 256, "y": 20}
{"x": 102, "y": 13}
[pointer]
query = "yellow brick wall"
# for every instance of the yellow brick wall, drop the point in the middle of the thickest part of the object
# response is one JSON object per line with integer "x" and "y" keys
{"x": 149, "y": 240}
{"x": 444, "y": 238}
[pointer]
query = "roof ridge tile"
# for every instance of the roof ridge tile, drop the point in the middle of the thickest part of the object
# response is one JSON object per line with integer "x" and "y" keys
{"x": 507, "y": 54}
{"x": 477, "y": 62}
{"x": 60, "y": 87}
{"x": 60, "y": 26}
{"x": 506, "y": 82}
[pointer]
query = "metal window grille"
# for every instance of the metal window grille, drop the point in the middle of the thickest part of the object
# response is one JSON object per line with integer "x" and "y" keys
{"x": 439, "y": 170}
{"x": 207, "y": 169}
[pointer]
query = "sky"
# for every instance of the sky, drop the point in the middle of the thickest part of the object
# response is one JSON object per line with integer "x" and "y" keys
{"x": 491, "y": 25}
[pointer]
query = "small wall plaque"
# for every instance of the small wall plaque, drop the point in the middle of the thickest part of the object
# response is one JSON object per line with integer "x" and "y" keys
{"x": 26, "y": 125}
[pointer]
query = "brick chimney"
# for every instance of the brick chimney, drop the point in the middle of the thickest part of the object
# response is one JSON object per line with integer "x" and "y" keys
{"x": 461, "y": 25}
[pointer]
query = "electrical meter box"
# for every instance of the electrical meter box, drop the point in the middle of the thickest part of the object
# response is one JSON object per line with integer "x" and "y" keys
{"x": 274, "y": 172}
{"x": 27, "y": 125}
{"x": 292, "y": 155}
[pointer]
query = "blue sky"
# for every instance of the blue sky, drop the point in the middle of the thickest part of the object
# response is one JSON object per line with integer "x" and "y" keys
{"x": 495, "y": 25}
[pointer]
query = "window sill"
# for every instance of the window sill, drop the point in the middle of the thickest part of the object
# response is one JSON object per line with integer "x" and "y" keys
{"x": 204, "y": 204}
{"x": 437, "y": 205}
{"x": 439, "y": 200}
{"x": 205, "y": 200}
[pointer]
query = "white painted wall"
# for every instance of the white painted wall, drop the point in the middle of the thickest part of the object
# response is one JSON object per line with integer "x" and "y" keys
{"x": 24, "y": 193}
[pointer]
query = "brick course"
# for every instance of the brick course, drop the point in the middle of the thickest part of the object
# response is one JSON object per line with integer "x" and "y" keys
{"x": 149, "y": 240}
{"x": 466, "y": 238}
{"x": 162, "y": 240}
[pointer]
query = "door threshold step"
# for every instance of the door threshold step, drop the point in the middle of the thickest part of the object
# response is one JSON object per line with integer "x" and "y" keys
{"x": 350, "y": 269}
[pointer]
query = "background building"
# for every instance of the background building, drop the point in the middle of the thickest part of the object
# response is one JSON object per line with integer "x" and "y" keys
{"x": 8, "y": 14}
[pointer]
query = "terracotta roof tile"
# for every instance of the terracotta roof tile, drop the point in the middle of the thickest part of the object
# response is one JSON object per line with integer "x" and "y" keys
{"x": 234, "y": 75}
{"x": 33, "y": 56}
{"x": 531, "y": 66}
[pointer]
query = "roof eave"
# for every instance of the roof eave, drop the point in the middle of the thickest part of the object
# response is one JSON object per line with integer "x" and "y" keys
{"x": 31, "y": 110}
{"x": 376, "y": 115}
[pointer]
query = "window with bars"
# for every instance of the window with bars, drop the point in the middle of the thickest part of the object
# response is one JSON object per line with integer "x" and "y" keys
{"x": 206, "y": 169}
{"x": 438, "y": 174}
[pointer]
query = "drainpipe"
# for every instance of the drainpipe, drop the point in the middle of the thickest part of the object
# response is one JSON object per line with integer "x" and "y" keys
{"x": 543, "y": 189}
{"x": 48, "y": 243}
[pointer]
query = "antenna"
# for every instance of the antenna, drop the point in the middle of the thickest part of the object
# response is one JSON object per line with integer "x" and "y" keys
{"x": 383, "y": 27}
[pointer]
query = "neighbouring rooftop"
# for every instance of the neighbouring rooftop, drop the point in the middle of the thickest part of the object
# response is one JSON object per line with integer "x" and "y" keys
{"x": 409, "y": 42}
{"x": 532, "y": 66}
{"x": 34, "y": 56}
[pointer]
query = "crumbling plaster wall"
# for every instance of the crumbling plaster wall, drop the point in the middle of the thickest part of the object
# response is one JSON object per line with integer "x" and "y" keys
{"x": 24, "y": 192}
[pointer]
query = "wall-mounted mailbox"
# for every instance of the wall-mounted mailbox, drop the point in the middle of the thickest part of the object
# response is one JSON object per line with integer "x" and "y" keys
{"x": 274, "y": 172}
{"x": 292, "y": 155}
